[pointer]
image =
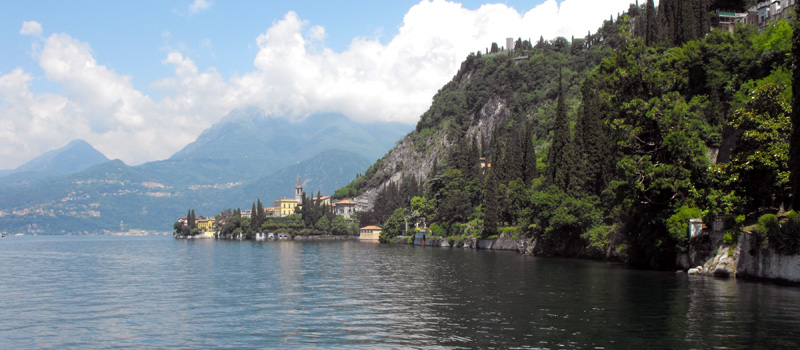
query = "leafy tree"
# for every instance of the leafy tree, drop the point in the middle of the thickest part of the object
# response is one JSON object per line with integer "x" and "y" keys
{"x": 394, "y": 226}
{"x": 339, "y": 226}
{"x": 759, "y": 165}
{"x": 323, "y": 224}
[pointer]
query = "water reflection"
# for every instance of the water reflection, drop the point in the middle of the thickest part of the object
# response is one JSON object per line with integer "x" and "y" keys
{"x": 157, "y": 292}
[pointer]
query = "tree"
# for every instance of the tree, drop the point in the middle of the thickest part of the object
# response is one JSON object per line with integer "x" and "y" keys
{"x": 759, "y": 168}
{"x": 323, "y": 224}
{"x": 591, "y": 138}
{"x": 651, "y": 32}
{"x": 794, "y": 141}
{"x": 394, "y": 226}
{"x": 562, "y": 157}
{"x": 490, "y": 207}
{"x": 339, "y": 226}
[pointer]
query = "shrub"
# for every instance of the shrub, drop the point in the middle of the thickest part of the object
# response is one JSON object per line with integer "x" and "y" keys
{"x": 598, "y": 238}
{"x": 787, "y": 241}
{"x": 678, "y": 224}
{"x": 730, "y": 238}
{"x": 767, "y": 226}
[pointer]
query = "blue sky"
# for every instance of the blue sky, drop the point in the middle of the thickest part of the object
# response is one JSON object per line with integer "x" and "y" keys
{"x": 155, "y": 74}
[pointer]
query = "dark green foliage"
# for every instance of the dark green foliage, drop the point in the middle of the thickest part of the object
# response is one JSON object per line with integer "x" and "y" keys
{"x": 394, "y": 226}
{"x": 490, "y": 217}
{"x": 636, "y": 135}
{"x": 759, "y": 168}
{"x": 651, "y": 32}
{"x": 794, "y": 140}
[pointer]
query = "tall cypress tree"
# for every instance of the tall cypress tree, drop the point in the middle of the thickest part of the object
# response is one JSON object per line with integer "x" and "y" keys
{"x": 794, "y": 140}
{"x": 490, "y": 218}
{"x": 253, "y": 217}
{"x": 594, "y": 142}
{"x": 651, "y": 32}
{"x": 531, "y": 172}
{"x": 557, "y": 173}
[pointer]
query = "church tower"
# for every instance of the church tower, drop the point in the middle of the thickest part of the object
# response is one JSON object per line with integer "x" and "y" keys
{"x": 298, "y": 191}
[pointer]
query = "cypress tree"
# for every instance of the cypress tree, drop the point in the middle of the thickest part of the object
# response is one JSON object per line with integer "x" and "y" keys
{"x": 529, "y": 160}
{"x": 192, "y": 220}
{"x": 651, "y": 32}
{"x": 794, "y": 139}
{"x": 556, "y": 160}
{"x": 253, "y": 217}
{"x": 490, "y": 206}
{"x": 594, "y": 143}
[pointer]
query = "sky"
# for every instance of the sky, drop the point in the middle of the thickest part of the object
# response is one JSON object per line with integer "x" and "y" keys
{"x": 139, "y": 80}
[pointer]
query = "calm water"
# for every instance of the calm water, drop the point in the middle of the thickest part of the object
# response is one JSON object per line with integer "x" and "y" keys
{"x": 158, "y": 292}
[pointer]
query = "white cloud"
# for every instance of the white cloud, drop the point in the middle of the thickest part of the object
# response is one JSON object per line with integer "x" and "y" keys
{"x": 31, "y": 28}
{"x": 294, "y": 75}
{"x": 199, "y": 5}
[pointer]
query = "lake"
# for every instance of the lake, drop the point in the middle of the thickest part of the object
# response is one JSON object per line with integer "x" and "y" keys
{"x": 158, "y": 292}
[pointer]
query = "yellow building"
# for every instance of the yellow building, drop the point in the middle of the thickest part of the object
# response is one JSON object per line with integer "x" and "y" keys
{"x": 205, "y": 224}
{"x": 370, "y": 233}
{"x": 285, "y": 206}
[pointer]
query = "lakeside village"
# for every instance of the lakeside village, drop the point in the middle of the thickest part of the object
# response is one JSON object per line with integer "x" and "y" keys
{"x": 286, "y": 219}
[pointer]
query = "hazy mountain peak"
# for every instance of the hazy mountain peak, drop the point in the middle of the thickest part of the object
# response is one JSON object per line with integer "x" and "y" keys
{"x": 75, "y": 156}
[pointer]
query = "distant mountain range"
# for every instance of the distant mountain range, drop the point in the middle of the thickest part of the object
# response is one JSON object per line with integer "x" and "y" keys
{"x": 76, "y": 156}
{"x": 244, "y": 157}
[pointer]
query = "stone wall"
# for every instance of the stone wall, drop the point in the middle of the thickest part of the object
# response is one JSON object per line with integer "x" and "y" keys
{"x": 709, "y": 255}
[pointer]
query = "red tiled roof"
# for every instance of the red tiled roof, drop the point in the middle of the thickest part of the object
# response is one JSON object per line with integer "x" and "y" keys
{"x": 371, "y": 228}
{"x": 345, "y": 202}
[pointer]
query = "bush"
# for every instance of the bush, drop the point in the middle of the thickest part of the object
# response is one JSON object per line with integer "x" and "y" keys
{"x": 768, "y": 226}
{"x": 787, "y": 241}
{"x": 731, "y": 238}
{"x": 598, "y": 238}
{"x": 678, "y": 223}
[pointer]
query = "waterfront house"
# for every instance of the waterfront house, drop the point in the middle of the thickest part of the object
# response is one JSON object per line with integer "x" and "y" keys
{"x": 205, "y": 224}
{"x": 370, "y": 233}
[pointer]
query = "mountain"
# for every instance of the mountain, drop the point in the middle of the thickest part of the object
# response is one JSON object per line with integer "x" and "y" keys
{"x": 247, "y": 145}
{"x": 244, "y": 157}
{"x": 75, "y": 156}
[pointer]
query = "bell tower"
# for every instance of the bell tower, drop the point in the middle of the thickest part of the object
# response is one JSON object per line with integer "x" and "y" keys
{"x": 298, "y": 191}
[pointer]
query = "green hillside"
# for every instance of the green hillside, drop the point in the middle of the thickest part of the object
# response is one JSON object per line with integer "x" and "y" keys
{"x": 602, "y": 146}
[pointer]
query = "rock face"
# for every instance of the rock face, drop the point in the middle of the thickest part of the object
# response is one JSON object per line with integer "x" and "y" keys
{"x": 415, "y": 156}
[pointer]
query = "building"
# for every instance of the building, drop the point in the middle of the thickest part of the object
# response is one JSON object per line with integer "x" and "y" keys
{"x": 727, "y": 20}
{"x": 246, "y": 214}
{"x": 205, "y": 224}
{"x": 510, "y": 45}
{"x": 298, "y": 191}
{"x": 345, "y": 208}
{"x": 370, "y": 233}
{"x": 323, "y": 200}
{"x": 284, "y": 206}
{"x": 772, "y": 10}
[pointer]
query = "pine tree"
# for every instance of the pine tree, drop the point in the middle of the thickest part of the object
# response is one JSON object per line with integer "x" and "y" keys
{"x": 794, "y": 139}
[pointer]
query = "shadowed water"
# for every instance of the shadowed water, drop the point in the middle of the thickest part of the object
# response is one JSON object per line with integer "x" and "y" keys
{"x": 158, "y": 292}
